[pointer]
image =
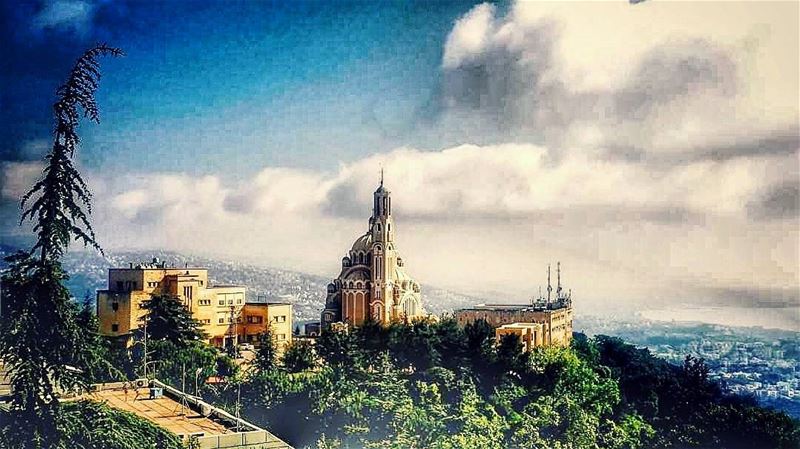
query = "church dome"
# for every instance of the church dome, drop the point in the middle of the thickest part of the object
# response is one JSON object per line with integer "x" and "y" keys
{"x": 363, "y": 243}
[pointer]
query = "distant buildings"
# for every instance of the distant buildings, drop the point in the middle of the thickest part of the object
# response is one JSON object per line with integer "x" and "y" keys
{"x": 373, "y": 283}
{"x": 546, "y": 321}
{"x": 226, "y": 316}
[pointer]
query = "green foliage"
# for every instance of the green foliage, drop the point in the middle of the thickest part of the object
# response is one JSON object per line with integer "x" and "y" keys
{"x": 169, "y": 320}
{"x": 39, "y": 336}
{"x": 299, "y": 356}
{"x": 177, "y": 365}
{"x": 266, "y": 352}
{"x": 87, "y": 425}
{"x": 40, "y": 339}
{"x": 370, "y": 390}
{"x": 96, "y": 357}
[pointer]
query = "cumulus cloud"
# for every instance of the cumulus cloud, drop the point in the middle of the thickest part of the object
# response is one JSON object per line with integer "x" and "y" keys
{"x": 631, "y": 230}
{"x": 507, "y": 76}
{"x": 16, "y": 179}
{"x": 470, "y": 182}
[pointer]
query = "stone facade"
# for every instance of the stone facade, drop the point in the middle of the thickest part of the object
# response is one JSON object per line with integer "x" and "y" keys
{"x": 373, "y": 284}
{"x": 556, "y": 321}
{"x": 531, "y": 335}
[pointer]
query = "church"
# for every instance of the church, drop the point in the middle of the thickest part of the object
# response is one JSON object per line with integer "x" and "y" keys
{"x": 373, "y": 283}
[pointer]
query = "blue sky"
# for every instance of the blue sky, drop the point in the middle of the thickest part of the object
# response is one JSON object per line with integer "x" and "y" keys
{"x": 651, "y": 148}
{"x": 206, "y": 88}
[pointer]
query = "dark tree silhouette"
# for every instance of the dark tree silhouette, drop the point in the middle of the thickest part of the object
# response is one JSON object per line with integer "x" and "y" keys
{"x": 60, "y": 197}
{"x": 39, "y": 336}
{"x": 168, "y": 319}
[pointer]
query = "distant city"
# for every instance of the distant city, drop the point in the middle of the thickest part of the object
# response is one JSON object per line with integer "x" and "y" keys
{"x": 752, "y": 361}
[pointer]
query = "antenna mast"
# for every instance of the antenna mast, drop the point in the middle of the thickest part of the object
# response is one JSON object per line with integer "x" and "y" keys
{"x": 558, "y": 289}
{"x": 549, "y": 286}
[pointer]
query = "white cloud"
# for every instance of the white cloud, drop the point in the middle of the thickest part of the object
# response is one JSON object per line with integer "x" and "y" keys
{"x": 484, "y": 219}
{"x": 650, "y": 79}
{"x": 17, "y": 178}
{"x": 76, "y": 15}
{"x": 469, "y": 36}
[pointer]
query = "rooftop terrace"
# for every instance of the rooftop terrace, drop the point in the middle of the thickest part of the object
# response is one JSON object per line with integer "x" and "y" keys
{"x": 186, "y": 416}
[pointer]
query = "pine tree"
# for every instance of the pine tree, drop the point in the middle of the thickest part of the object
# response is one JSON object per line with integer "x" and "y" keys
{"x": 168, "y": 319}
{"x": 95, "y": 359}
{"x": 39, "y": 335}
{"x": 266, "y": 352}
{"x": 299, "y": 356}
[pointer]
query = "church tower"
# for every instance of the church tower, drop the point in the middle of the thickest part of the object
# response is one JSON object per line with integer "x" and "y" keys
{"x": 373, "y": 284}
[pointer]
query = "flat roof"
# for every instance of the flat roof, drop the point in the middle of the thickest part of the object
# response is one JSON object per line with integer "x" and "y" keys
{"x": 227, "y": 286}
{"x": 524, "y": 307}
{"x": 268, "y": 303}
{"x": 163, "y": 411}
{"x": 146, "y": 268}
{"x": 517, "y": 325}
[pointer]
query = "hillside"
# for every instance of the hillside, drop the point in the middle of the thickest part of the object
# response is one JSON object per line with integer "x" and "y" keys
{"x": 88, "y": 272}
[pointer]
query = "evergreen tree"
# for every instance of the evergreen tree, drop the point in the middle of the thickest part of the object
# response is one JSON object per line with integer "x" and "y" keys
{"x": 266, "y": 352}
{"x": 39, "y": 335}
{"x": 168, "y": 319}
{"x": 95, "y": 359}
{"x": 299, "y": 356}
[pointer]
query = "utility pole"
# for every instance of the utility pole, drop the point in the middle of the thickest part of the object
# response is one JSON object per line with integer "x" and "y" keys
{"x": 146, "y": 319}
{"x": 238, "y": 404}
{"x": 183, "y": 389}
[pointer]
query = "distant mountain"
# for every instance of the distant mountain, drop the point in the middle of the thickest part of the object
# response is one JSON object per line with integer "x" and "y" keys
{"x": 88, "y": 272}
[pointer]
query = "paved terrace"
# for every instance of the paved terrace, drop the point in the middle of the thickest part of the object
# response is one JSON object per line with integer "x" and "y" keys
{"x": 211, "y": 427}
{"x": 164, "y": 411}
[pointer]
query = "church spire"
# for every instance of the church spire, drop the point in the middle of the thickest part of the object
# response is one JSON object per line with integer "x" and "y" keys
{"x": 382, "y": 205}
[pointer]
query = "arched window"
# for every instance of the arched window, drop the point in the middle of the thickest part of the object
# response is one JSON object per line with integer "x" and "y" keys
{"x": 410, "y": 307}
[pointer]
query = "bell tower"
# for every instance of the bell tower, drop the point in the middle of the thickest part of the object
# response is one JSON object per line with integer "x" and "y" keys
{"x": 382, "y": 251}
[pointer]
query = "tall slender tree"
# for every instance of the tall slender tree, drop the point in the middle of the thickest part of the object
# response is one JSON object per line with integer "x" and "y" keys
{"x": 39, "y": 336}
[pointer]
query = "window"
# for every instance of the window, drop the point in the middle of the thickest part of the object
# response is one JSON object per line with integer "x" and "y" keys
{"x": 280, "y": 319}
{"x": 281, "y": 336}
{"x": 230, "y": 302}
{"x": 221, "y": 321}
{"x": 114, "y": 306}
{"x": 221, "y": 302}
{"x": 254, "y": 319}
{"x": 204, "y": 302}
{"x": 115, "y": 327}
{"x": 187, "y": 292}
{"x": 239, "y": 301}
{"x": 201, "y": 283}
{"x": 208, "y": 321}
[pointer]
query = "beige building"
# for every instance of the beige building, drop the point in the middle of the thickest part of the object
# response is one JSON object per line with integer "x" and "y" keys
{"x": 373, "y": 283}
{"x": 259, "y": 315}
{"x": 531, "y": 335}
{"x": 226, "y": 316}
{"x": 553, "y": 313}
